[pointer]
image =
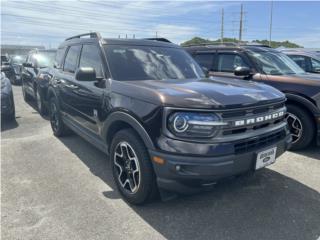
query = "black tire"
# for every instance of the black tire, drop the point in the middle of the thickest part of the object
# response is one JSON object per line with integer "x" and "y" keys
{"x": 303, "y": 119}
{"x": 147, "y": 189}
{"x": 58, "y": 127}
{"x": 26, "y": 96}
{"x": 40, "y": 102}
{"x": 12, "y": 115}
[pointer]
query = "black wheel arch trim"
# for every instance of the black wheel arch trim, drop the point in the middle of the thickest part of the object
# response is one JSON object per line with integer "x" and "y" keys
{"x": 131, "y": 121}
{"x": 303, "y": 101}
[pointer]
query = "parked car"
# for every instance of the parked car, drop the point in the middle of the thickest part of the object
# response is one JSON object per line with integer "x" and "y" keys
{"x": 16, "y": 63}
{"x": 265, "y": 65}
{"x": 7, "y": 101}
{"x": 36, "y": 74}
{"x": 308, "y": 61}
{"x": 8, "y": 70}
{"x": 147, "y": 104}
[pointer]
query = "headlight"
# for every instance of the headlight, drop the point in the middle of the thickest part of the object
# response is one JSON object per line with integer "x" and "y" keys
{"x": 193, "y": 124}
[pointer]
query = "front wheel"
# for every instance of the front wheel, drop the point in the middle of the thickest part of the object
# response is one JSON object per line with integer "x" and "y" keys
{"x": 301, "y": 127}
{"x": 58, "y": 127}
{"x": 40, "y": 102}
{"x": 132, "y": 168}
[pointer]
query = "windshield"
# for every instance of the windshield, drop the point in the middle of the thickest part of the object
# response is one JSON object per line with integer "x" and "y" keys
{"x": 18, "y": 59}
{"x": 150, "y": 63}
{"x": 44, "y": 59}
{"x": 276, "y": 63}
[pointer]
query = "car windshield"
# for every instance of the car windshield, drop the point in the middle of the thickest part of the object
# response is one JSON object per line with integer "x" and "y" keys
{"x": 276, "y": 63}
{"x": 44, "y": 59}
{"x": 18, "y": 59}
{"x": 150, "y": 63}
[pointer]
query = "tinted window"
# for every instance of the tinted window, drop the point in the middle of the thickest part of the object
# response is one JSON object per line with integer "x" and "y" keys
{"x": 229, "y": 62}
{"x": 300, "y": 60}
{"x": 151, "y": 63}
{"x": 71, "y": 61}
{"x": 315, "y": 65}
{"x": 90, "y": 57}
{"x": 59, "y": 57}
{"x": 204, "y": 60}
{"x": 44, "y": 59}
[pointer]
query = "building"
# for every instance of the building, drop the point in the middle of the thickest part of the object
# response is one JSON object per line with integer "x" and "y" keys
{"x": 17, "y": 49}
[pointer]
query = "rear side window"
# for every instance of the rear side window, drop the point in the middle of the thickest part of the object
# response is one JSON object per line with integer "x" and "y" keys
{"x": 59, "y": 57}
{"x": 205, "y": 60}
{"x": 71, "y": 61}
{"x": 315, "y": 65}
{"x": 229, "y": 62}
{"x": 90, "y": 57}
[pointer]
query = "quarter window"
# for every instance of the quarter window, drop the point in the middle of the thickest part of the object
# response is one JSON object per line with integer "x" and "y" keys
{"x": 71, "y": 61}
{"x": 90, "y": 57}
{"x": 229, "y": 62}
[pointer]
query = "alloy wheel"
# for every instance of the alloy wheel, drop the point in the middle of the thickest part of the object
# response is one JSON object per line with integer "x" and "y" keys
{"x": 127, "y": 167}
{"x": 295, "y": 127}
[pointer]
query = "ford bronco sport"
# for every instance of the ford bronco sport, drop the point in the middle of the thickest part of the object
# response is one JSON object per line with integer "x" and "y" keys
{"x": 164, "y": 126}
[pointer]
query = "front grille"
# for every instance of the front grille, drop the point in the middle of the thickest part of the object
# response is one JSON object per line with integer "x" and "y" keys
{"x": 258, "y": 142}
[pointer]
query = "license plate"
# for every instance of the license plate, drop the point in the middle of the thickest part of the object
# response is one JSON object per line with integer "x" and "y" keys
{"x": 266, "y": 158}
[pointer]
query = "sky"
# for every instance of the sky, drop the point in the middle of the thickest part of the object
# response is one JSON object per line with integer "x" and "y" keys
{"x": 48, "y": 23}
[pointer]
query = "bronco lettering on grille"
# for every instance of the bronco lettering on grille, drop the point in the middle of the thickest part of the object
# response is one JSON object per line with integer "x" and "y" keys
{"x": 259, "y": 119}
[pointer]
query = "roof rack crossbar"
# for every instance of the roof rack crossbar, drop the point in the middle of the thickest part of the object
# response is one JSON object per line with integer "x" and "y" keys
{"x": 213, "y": 44}
{"x": 158, "y": 39}
{"x": 91, "y": 35}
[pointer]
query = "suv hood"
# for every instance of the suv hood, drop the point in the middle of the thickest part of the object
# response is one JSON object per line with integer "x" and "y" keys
{"x": 206, "y": 93}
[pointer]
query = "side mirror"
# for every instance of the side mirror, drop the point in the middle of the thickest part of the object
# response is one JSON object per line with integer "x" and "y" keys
{"x": 242, "y": 71}
{"x": 86, "y": 74}
{"x": 206, "y": 71}
{"x": 27, "y": 64}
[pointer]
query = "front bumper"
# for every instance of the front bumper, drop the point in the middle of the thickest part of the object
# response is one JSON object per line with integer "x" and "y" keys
{"x": 188, "y": 174}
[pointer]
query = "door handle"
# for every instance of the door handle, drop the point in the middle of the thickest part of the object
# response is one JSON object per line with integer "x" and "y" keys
{"x": 72, "y": 86}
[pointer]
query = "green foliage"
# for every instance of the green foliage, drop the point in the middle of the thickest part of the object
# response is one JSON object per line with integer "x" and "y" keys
{"x": 274, "y": 44}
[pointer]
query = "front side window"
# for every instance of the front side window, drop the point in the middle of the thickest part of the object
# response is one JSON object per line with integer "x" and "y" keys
{"x": 129, "y": 63}
{"x": 204, "y": 60}
{"x": 229, "y": 62}
{"x": 71, "y": 61}
{"x": 275, "y": 63}
{"x": 300, "y": 60}
{"x": 90, "y": 57}
{"x": 315, "y": 65}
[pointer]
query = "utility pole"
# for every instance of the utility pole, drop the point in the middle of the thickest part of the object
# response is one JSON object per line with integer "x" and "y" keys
{"x": 222, "y": 25}
{"x": 240, "y": 27}
{"x": 156, "y": 34}
{"x": 270, "y": 29}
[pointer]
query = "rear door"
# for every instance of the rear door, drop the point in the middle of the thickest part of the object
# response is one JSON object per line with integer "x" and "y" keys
{"x": 67, "y": 83}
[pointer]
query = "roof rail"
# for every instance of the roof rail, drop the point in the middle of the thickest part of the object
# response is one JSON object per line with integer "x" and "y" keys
{"x": 91, "y": 35}
{"x": 212, "y": 44}
{"x": 158, "y": 39}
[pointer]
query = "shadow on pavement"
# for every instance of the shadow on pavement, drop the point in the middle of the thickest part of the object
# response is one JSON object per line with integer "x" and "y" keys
{"x": 312, "y": 152}
{"x": 267, "y": 205}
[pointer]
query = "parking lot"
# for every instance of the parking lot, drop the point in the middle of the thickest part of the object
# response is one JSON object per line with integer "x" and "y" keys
{"x": 62, "y": 189}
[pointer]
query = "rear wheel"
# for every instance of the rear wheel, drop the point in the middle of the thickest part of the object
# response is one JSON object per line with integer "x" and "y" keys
{"x": 132, "y": 168}
{"x": 58, "y": 127}
{"x": 301, "y": 127}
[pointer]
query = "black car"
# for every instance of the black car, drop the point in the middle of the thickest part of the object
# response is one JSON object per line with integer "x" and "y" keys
{"x": 164, "y": 125}
{"x": 266, "y": 65}
{"x": 308, "y": 61}
{"x": 7, "y": 101}
{"x": 16, "y": 63}
{"x": 35, "y": 76}
{"x": 8, "y": 69}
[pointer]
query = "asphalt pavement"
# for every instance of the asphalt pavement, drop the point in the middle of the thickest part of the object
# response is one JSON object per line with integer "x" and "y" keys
{"x": 63, "y": 189}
